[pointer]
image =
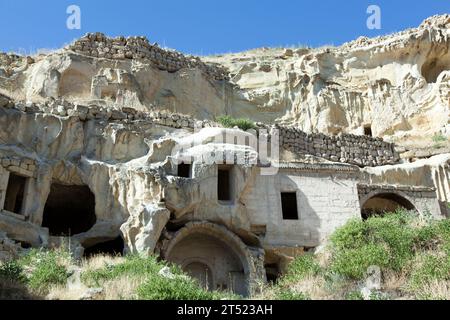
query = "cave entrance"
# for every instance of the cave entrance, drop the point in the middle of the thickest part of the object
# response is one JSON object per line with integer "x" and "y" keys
{"x": 384, "y": 202}
{"x": 69, "y": 210}
{"x": 368, "y": 130}
{"x": 432, "y": 69}
{"x": 113, "y": 247}
{"x": 15, "y": 193}
{"x": 272, "y": 272}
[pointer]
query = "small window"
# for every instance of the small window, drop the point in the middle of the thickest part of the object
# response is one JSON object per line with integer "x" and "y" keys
{"x": 223, "y": 184}
{"x": 184, "y": 170}
{"x": 14, "y": 193}
{"x": 368, "y": 131}
{"x": 289, "y": 205}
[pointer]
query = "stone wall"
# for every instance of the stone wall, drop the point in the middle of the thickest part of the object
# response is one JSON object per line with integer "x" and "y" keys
{"x": 66, "y": 109}
{"x": 23, "y": 166}
{"x": 424, "y": 199}
{"x": 99, "y": 46}
{"x": 326, "y": 199}
{"x": 346, "y": 148}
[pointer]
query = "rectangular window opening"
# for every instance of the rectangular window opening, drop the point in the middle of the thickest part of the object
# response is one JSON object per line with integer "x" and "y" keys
{"x": 368, "y": 131}
{"x": 224, "y": 184}
{"x": 15, "y": 193}
{"x": 184, "y": 170}
{"x": 289, "y": 205}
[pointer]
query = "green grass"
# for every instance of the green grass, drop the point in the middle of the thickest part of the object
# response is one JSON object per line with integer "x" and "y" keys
{"x": 288, "y": 294}
{"x": 439, "y": 138}
{"x": 180, "y": 288}
{"x": 38, "y": 270}
{"x": 44, "y": 269}
{"x": 155, "y": 286}
{"x": 133, "y": 265}
{"x": 241, "y": 123}
{"x": 416, "y": 248}
{"x": 387, "y": 242}
{"x": 302, "y": 266}
{"x": 12, "y": 271}
{"x": 401, "y": 243}
{"x": 429, "y": 267}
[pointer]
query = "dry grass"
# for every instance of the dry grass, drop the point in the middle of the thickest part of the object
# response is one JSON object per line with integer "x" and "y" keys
{"x": 13, "y": 290}
{"x": 436, "y": 290}
{"x": 314, "y": 286}
{"x": 122, "y": 288}
{"x": 66, "y": 293}
{"x": 394, "y": 281}
{"x": 100, "y": 261}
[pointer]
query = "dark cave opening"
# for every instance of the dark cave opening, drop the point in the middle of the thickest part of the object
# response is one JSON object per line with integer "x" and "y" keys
{"x": 112, "y": 247}
{"x": 15, "y": 193}
{"x": 384, "y": 202}
{"x": 69, "y": 210}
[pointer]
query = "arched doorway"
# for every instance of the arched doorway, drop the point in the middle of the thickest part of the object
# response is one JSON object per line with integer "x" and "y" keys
{"x": 380, "y": 203}
{"x": 213, "y": 255}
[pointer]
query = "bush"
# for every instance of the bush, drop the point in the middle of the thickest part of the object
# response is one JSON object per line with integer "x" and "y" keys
{"x": 230, "y": 122}
{"x": 353, "y": 263}
{"x": 45, "y": 268}
{"x": 155, "y": 287}
{"x": 354, "y": 295}
{"x": 439, "y": 138}
{"x": 386, "y": 241}
{"x": 159, "y": 288}
{"x": 429, "y": 267}
{"x": 301, "y": 267}
{"x": 288, "y": 294}
{"x": 11, "y": 270}
{"x": 134, "y": 265}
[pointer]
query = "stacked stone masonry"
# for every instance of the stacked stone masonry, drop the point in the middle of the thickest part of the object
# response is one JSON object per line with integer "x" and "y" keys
{"x": 345, "y": 148}
{"x": 23, "y": 166}
{"x": 99, "y": 46}
{"x": 412, "y": 191}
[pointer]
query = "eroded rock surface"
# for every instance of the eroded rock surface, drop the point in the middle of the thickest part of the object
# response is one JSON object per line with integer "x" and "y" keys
{"x": 117, "y": 139}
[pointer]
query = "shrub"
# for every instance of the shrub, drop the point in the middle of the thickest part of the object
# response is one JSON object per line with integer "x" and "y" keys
{"x": 439, "y": 138}
{"x": 354, "y": 295}
{"x": 230, "y": 122}
{"x": 45, "y": 268}
{"x": 180, "y": 288}
{"x": 134, "y": 265}
{"x": 353, "y": 263}
{"x": 429, "y": 267}
{"x": 349, "y": 236}
{"x": 386, "y": 241}
{"x": 288, "y": 294}
{"x": 301, "y": 267}
{"x": 154, "y": 286}
{"x": 395, "y": 233}
{"x": 11, "y": 270}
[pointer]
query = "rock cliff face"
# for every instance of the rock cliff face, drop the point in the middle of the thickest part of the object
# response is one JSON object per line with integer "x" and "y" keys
{"x": 395, "y": 87}
{"x": 396, "y": 84}
{"x": 87, "y": 138}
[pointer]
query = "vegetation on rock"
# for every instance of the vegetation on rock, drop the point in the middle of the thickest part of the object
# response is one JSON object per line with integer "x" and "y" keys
{"x": 411, "y": 251}
{"x": 241, "y": 123}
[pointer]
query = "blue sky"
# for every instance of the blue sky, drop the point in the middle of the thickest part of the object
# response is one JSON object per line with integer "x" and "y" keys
{"x": 208, "y": 26}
